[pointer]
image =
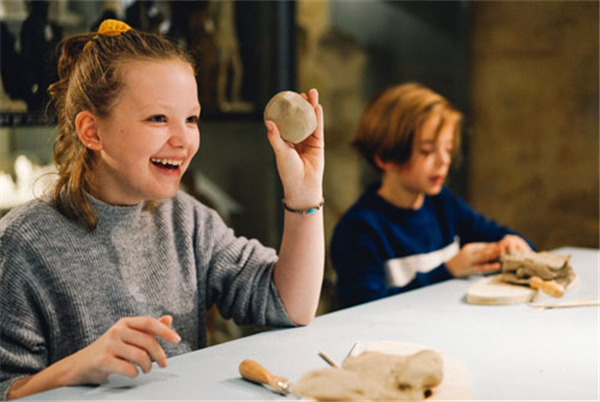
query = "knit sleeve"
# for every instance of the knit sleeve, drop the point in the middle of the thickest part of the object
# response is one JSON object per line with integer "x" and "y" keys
{"x": 239, "y": 275}
{"x": 23, "y": 350}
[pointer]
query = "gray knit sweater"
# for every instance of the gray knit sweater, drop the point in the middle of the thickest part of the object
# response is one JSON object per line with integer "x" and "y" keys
{"x": 63, "y": 285}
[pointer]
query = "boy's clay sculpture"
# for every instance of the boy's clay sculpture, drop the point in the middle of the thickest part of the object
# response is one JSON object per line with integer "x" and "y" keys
{"x": 520, "y": 267}
{"x": 294, "y": 116}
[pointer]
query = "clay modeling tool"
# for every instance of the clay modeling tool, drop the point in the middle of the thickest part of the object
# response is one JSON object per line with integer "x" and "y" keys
{"x": 549, "y": 287}
{"x": 585, "y": 302}
{"x": 328, "y": 359}
{"x": 252, "y": 371}
{"x": 354, "y": 350}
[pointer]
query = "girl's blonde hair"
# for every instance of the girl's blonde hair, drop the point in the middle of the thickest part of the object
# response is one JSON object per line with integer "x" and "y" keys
{"x": 90, "y": 78}
{"x": 389, "y": 124}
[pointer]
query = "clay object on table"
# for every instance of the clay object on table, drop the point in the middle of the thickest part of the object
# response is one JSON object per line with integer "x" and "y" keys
{"x": 376, "y": 376}
{"x": 295, "y": 116}
{"x": 520, "y": 267}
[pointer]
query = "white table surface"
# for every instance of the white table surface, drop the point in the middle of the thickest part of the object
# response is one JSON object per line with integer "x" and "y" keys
{"x": 513, "y": 352}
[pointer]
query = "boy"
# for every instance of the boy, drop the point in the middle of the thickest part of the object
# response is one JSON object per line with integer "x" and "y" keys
{"x": 408, "y": 231}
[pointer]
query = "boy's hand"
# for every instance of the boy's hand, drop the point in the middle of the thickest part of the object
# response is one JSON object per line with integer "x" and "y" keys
{"x": 475, "y": 258}
{"x": 513, "y": 244}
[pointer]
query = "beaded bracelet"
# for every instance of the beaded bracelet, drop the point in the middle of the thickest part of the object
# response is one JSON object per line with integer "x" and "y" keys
{"x": 303, "y": 211}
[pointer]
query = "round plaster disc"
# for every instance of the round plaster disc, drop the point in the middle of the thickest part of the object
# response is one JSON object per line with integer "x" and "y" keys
{"x": 456, "y": 384}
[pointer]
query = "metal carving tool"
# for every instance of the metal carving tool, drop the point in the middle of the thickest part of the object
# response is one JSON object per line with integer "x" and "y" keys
{"x": 252, "y": 371}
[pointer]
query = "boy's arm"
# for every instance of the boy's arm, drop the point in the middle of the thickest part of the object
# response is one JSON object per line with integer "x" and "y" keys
{"x": 473, "y": 226}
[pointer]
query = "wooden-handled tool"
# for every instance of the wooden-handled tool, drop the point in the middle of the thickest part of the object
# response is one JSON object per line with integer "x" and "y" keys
{"x": 252, "y": 371}
{"x": 550, "y": 287}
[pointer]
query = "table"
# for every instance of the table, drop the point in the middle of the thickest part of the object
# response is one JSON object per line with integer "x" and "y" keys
{"x": 513, "y": 352}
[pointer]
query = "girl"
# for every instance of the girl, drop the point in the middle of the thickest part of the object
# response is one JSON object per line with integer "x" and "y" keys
{"x": 117, "y": 268}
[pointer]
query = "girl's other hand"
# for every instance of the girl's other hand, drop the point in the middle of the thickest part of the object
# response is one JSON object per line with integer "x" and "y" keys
{"x": 129, "y": 343}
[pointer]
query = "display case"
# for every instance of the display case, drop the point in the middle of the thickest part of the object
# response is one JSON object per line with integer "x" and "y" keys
{"x": 243, "y": 53}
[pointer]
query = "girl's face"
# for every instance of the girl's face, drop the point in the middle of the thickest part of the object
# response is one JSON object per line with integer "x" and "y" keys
{"x": 151, "y": 134}
{"x": 427, "y": 168}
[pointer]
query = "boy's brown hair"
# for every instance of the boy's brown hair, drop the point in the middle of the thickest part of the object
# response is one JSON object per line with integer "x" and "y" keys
{"x": 91, "y": 78}
{"x": 388, "y": 126}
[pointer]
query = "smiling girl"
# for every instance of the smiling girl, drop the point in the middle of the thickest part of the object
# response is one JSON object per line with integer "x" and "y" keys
{"x": 408, "y": 230}
{"x": 118, "y": 268}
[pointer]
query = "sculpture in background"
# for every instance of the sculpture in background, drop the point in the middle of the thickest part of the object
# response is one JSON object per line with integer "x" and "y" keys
{"x": 144, "y": 15}
{"x": 13, "y": 85}
{"x": 230, "y": 67}
{"x": 39, "y": 39}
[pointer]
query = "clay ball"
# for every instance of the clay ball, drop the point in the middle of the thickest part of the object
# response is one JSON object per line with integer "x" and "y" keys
{"x": 295, "y": 116}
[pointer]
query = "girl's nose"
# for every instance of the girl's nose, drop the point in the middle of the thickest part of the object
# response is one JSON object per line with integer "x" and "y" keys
{"x": 180, "y": 136}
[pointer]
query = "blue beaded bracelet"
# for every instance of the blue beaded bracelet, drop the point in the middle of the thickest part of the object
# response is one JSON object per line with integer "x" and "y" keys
{"x": 303, "y": 211}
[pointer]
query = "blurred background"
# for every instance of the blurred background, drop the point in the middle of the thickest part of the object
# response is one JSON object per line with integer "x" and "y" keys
{"x": 524, "y": 73}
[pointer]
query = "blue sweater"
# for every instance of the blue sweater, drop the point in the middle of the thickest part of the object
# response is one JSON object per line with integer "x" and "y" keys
{"x": 379, "y": 249}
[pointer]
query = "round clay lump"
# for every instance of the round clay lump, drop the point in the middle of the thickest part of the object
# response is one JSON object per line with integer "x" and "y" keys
{"x": 295, "y": 117}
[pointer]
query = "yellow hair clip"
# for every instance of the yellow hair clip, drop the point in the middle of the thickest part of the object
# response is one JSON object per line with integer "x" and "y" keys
{"x": 109, "y": 28}
{"x": 113, "y": 27}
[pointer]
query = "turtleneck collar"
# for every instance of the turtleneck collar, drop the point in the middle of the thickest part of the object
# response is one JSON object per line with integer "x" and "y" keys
{"x": 113, "y": 216}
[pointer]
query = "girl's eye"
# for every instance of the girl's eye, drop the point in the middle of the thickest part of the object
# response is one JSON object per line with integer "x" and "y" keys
{"x": 158, "y": 119}
{"x": 426, "y": 151}
{"x": 192, "y": 120}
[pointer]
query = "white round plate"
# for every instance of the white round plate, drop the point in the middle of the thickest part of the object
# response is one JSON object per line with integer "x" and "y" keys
{"x": 456, "y": 384}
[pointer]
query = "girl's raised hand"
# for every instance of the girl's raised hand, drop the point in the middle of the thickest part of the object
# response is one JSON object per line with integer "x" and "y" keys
{"x": 129, "y": 343}
{"x": 301, "y": 166}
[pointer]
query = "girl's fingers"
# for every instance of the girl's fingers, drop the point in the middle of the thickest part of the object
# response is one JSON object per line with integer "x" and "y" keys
{"x": 313, "y": 96}
{"x": 148, "y": 344}
{"x": 153, "y": 327}
{"x": 167, "y": 320}
{"x": 319, "y": 132}
{"x": 274, "y": 137}
{"x": 134, "y": 354}
{"x": 120, "y": 366}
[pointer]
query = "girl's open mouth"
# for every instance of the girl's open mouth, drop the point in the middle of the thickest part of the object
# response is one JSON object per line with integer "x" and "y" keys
{"x": 167, "y": 164}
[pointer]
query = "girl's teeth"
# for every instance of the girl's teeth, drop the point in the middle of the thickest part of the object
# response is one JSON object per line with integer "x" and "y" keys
{"x": 166, "y": 161}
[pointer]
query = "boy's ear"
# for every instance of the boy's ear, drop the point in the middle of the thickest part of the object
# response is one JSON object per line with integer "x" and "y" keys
{"x": 86, "y": 125}
{"x": 383, "y": 165}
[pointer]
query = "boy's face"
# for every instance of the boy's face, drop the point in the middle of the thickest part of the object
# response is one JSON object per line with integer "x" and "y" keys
{"x": 151, "y": 134}
{"x": 427, "y": 168}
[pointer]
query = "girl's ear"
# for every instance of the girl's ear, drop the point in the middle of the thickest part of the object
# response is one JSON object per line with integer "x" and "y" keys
{"x": 86, "y": 125}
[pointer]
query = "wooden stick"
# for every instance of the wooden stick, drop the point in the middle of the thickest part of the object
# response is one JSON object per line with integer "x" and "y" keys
{"x": 353, "y": 350}
{"x": 328, "y": 359}
{"x": 575, "y": 303}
